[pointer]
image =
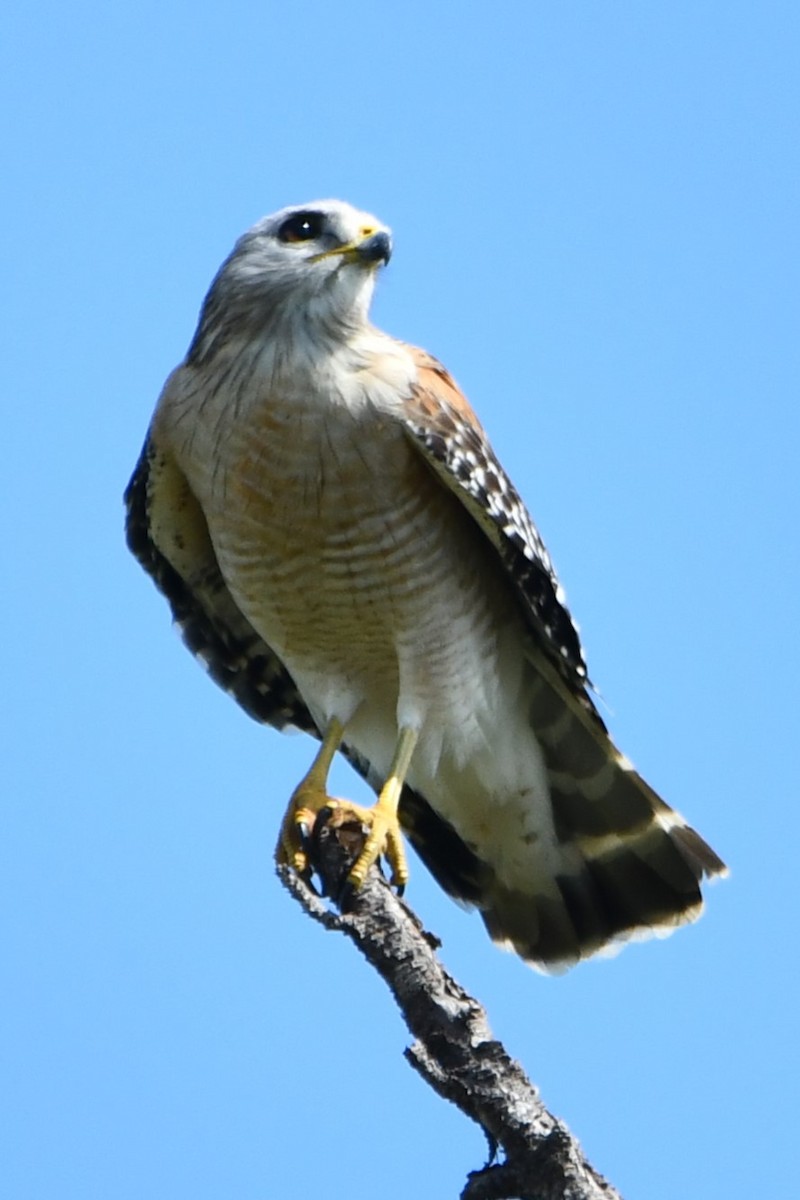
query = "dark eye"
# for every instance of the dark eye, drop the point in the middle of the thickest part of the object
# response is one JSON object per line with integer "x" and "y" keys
{"x": 302, "y": 227}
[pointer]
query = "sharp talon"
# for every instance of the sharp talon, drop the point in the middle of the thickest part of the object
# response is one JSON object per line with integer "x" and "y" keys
{"x": 304, "y": 830}
{"x": 325, "y": 813}
{"x": 493, "y": 1146}
{"x": 401, "y": 888}
{"x": 307, "y": 877}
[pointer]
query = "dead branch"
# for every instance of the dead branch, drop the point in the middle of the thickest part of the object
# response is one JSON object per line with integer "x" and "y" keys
{"x": 454, "y": 1050}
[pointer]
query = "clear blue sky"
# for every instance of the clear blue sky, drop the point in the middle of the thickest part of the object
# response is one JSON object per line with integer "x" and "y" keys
{"x": 596, "y": 218}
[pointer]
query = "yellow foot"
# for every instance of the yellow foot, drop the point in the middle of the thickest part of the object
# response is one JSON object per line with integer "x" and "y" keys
{"x": 384, "y": 838}
{"x": 382, "y": 829}
{"x": 308, "y": 798}
{"x": 380, "y": 823}
{"x": 297, "y": 824}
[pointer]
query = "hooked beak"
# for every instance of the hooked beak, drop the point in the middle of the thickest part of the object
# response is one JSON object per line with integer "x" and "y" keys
{"x": 373, "y": 248}
{"x": 377, "y": 248}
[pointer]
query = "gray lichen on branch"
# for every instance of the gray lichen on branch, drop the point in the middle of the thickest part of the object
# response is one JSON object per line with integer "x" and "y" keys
{"x": 454, "y": 1050}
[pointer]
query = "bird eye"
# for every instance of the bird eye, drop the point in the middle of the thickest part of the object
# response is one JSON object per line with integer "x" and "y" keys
{"x": 302, "y": 227}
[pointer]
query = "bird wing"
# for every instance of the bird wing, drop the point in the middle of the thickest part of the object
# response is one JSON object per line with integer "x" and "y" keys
{"x": 630, "y": 862}
{"x": 449, "y": 434}
{"x": 167, "y": 532}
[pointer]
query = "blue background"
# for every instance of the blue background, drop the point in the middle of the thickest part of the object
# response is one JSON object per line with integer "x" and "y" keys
{"x": 596, "y": 218}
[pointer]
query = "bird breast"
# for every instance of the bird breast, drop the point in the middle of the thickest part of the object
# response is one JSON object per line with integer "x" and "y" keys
{"x": 356, "y": 564}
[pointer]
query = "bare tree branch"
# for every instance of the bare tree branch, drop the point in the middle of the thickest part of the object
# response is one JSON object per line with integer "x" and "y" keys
{"x": 454, "y": 1050}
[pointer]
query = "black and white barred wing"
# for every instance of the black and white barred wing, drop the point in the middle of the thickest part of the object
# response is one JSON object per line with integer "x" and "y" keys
{"x": 630, "y": 863}
{"x": 450, "y": 435}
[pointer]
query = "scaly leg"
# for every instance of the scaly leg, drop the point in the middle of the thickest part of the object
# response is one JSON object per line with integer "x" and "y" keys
{"x": 308, "y": 798}
{"x": 384, "y": 835}
{"x": 383, "y": 826}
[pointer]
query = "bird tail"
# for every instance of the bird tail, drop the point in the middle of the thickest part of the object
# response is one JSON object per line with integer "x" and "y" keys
{"x": 629, "y": 865}
{"x": 622, "y": 864}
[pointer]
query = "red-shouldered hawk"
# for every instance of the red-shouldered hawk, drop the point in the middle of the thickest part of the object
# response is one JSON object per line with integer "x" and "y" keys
{"x": 340, "y": 546}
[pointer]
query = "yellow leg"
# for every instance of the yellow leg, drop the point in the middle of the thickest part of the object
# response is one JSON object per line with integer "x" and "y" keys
{"x": 383, "y": 827}
{"x": 308, "y": 798}
{"x": 384, "y": 835}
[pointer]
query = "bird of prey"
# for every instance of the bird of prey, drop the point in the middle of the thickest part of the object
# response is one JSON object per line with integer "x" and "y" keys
{"x": 342, "y": 549}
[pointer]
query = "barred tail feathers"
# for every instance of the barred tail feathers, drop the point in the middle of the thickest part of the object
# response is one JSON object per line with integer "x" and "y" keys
{"x": 622, "y": 864}
{"x": 631, "y": 865}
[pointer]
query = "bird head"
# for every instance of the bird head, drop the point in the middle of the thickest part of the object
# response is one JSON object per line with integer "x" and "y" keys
{"x": 311, "y": 265}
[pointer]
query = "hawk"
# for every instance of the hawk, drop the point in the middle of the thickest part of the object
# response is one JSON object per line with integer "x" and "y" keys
{"x": 342, "y": 549}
